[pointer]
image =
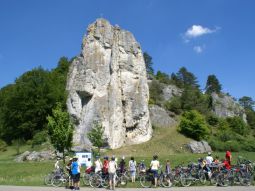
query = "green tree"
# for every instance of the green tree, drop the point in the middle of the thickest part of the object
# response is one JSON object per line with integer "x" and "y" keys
{"x": 60, "y": 130}
{"x": 186, "y": 78}
{"x": 162, "y": 77}
{"x": 148, "y": 63}
{"x": 212, "y": 85}
{"x": 193, "y": 125}
{"x": 247, "y": 102}
{"x": 95, "y": 135}
{"x": 156, "y": 91}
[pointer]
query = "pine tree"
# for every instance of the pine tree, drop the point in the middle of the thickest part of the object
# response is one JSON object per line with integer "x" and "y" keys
{"x": 212, "y": 85}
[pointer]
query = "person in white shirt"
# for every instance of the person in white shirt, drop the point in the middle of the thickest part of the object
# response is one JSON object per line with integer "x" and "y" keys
{"x": 88, "y": 164}
{"x": 98, "y": 165}
{"x": 209, "y": 158}
{"x": 154, "y": 168}
{"x": 112, "y": 172}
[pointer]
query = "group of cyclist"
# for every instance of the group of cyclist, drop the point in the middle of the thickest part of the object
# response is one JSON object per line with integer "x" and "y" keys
{"x": 110, "y": 166}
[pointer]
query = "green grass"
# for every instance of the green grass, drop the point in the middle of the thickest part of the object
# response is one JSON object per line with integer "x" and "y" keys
{"x": 166, "y": 143}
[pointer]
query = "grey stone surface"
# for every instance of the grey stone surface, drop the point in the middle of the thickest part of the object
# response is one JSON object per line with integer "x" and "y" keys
{"x": 108, "y": 83}
{"x": 22, "y": 156}
{"x": 160, "y": 118}
{"x": 35, "y": 156}
{"x": 225, "y": 106}
{"x": 171, "y": 91}
{"x": 199, "y": 147}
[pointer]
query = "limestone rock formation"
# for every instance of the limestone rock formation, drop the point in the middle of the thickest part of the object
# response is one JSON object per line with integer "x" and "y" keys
{"x": 171, "y": 91}
{"x": 225, "y": 106}
{"x": 108, "y": 83}
{"x": 199, "y": 147}
{"x": 160, "y": 118}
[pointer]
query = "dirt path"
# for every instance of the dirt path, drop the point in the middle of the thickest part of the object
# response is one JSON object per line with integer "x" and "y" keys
{"x": 201, "y": 188}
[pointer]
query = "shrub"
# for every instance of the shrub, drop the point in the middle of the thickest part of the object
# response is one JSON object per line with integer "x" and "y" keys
{"x": 174, "y": 105}
{"x": 238, "y": 125}
{"x": 3, "y": 145}
{"x": 212, "y": 120}
{"x": 193, "y": 125}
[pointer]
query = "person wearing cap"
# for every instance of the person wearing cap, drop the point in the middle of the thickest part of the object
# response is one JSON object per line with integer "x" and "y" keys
{"x": 76, "y": 173}
{"x": 112, "y": 172}
{"x": 98, "y": 164}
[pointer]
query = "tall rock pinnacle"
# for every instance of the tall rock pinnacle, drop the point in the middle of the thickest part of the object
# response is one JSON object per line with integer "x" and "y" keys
{"x": 108, "y": 83}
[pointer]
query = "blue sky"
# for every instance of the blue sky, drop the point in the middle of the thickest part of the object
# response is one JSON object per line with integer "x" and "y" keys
{"x": 207, "y": 37}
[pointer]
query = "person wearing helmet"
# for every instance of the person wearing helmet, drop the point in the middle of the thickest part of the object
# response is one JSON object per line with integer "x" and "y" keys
{"x": 112, "y": 172}
{"x": 69, "y": 170}
{"x": 209, "y": 158}
{"x": 76, "y": 173}
{"x": 105, "y": 165}
{"x": 154, "y": 168}
{"x": 122, "y": 165}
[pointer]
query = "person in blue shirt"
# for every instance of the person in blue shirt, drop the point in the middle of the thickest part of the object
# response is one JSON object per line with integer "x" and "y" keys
{"x": 75, "y": 167}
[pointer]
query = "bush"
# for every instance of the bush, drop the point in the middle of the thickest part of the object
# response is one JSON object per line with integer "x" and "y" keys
{"x": 3, "y": 145}
{"x": 174, "y": 105}
{"x": 156, "y": 90}
{"x": 238, "y": 125}
{"x": 212, "y": 120}
{"x": 193, "y": 125}
{"x": 40, "y": 138}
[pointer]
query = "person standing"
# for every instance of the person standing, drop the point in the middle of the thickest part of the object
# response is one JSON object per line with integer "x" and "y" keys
{"x": 154, "y": 168}
{"x": 132, "y": 168}
{"x": 209, "y": 158}
{"x": 98, "y": 165}
{"x": 68, "y": 168}
{"x": 228, "y": 157}
{"x": 76, "y": 173}
{"x": 168, "y": 167}
{"x": 112, "y": 172}
{"x": 122, "y": 165}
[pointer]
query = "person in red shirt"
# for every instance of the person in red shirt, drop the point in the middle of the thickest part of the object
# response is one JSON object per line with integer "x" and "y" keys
{"x": 227, "y": 164}
{"x": 228, "y": 157}
{"x": 105, "y": 165}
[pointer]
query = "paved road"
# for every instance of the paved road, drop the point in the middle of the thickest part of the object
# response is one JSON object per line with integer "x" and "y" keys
{"x": 201, "y": 188}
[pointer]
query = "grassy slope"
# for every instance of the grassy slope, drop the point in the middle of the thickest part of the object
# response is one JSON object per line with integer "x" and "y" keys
{"x": 166, "y": 143}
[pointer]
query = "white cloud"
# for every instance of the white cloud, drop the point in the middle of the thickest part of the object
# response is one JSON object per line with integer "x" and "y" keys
{"x": 198, "y": 49}
{"x": 198, "y": 30}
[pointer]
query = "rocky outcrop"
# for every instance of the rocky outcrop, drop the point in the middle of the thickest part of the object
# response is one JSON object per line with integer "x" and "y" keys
{"x": 225, "y": 106}
{"x": 35, "y": 156}
{"x": 199, "y": 147}
{"x": 108, "y": 83}
{"x": 160, "y": 118}
{"x": 171, "y": 91}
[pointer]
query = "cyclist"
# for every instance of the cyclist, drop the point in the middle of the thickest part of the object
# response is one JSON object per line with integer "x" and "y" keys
{"x": 76, "y": 173}
{"x": 112, "y": 172}
{"x": 228, "y": 157}
{"x": 132, "y": 168}
{"x": 68, "y": 168}
{"x": 142, "y": 167}
{"x": 122, "y": 165}
{"x": 98, "y": 165}
{"x": 154, "y": 168}
{"x": 168, "y": 167}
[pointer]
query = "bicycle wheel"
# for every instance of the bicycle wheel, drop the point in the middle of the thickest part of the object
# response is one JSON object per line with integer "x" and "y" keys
{"x": 222, "y": 179}
{"x": 246, "y": 179}
{"x": 186, "y": 180}
{"x": 146, "y": 181}
{"x": 85, "y": 179}
{"x": 202, "y": 177}
{"x": 213, "y": 179}
{"x": 121, "y": 180}
{"x": 57, "y": 180}
{"x": 95, "y": 181}
{"x": 48, "y": 178}
{"x": 166, "y": 180}
{"x": 105, "y": 181}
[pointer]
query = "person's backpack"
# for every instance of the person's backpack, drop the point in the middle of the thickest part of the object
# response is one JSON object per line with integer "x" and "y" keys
{"x": 112, "y": 167}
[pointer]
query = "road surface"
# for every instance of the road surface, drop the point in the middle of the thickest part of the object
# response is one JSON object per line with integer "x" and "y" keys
{"x": 200, "y": 188}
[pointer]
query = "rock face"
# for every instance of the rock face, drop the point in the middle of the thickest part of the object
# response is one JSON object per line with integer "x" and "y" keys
{"x": 160, "y": 118}
{"x": 171, "y": 91}
{"x": 199, "y": 147}
{"x": 225, "y": 106}
{"x": 108, "y": 83}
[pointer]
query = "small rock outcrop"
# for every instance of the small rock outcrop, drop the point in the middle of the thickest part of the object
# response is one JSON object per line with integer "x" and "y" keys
{"x": 160, "y": 118}
{"x": 225, "y": 106}
{"x": 35, "y": 156}
{"x": 171, "y": 91}
{"x": 108, "y": 83}
{"x": 199, "y": 147}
